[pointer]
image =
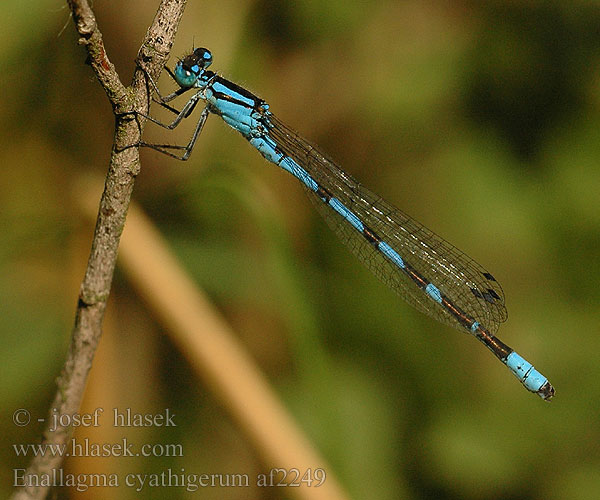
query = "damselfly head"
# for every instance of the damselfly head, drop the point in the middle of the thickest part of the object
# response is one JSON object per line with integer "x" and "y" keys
{"x": 198, "y": 60}
{"x": 188, "y": 69}
{"x": 203, "y": 57}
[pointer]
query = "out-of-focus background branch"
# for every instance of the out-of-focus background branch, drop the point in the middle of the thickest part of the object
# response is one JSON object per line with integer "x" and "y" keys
{"x": 479, "y": 119}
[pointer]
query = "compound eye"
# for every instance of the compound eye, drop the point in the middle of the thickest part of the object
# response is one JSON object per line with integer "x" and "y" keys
{"x": 184, "y": 77}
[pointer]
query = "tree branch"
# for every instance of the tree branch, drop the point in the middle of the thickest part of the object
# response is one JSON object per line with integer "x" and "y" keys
{"x": 123, "y": 168}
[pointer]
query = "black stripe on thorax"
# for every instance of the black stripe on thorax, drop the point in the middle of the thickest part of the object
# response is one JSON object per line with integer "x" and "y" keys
{"x": 258, "y": 102}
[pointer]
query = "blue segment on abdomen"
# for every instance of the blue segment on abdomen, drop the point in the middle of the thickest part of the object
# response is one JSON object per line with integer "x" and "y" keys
{"x": 434, "y": 292}
{"x": 391, "y": 254}
{"x": 525, "y": 372}
{"x": 267, "y": 147}
{"x": 297, "y": 171}
{"x": 346, "y": 213}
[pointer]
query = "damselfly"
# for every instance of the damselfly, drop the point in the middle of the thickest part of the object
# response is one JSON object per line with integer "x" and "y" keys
{"x": 424, "y": 269}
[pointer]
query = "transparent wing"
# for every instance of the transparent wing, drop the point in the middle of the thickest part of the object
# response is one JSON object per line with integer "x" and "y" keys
{"x": 459, "y": 278}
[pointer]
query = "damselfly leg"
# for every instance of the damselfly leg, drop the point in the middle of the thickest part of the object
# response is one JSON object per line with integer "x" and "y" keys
{"x": 185, "y": 112}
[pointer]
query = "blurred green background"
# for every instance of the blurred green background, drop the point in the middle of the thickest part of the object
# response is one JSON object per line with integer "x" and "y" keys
{"x": 480, "y": 119}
